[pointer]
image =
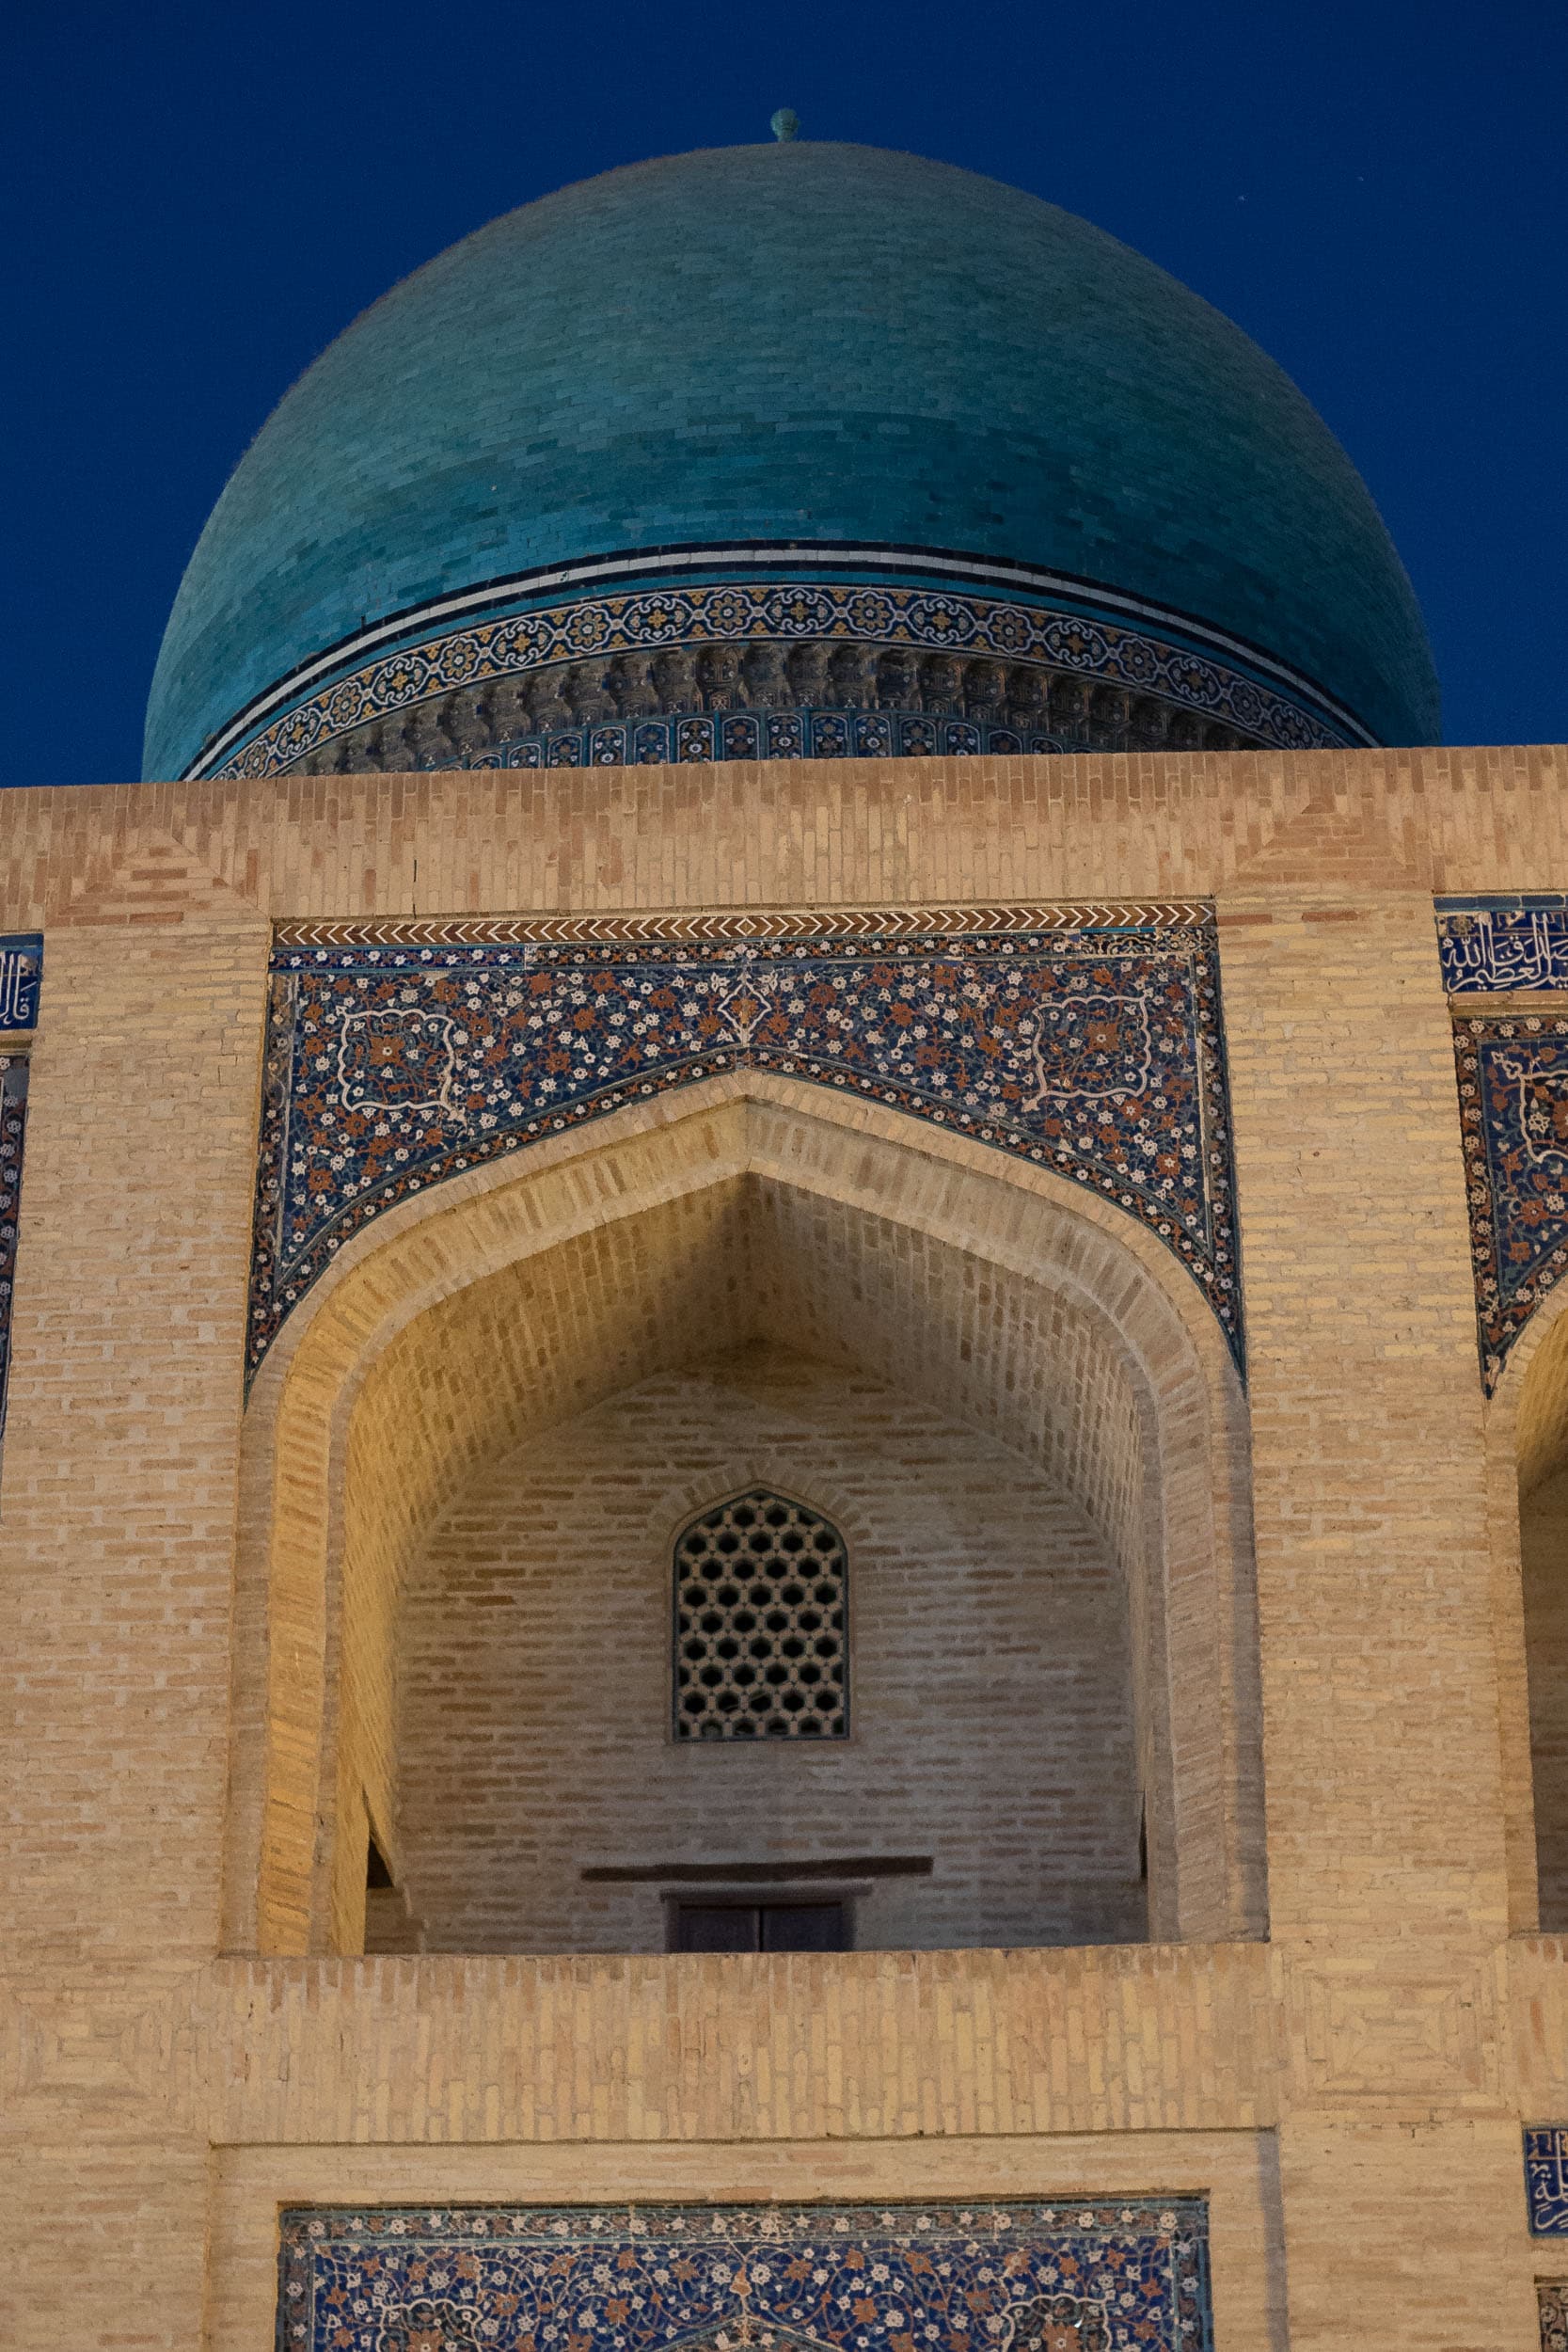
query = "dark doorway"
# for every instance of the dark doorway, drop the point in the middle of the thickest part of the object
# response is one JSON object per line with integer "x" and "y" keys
{"x": 787, "y": 1926}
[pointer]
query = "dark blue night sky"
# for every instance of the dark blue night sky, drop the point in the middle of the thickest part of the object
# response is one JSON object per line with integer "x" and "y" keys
{"x": 202, "y": 196}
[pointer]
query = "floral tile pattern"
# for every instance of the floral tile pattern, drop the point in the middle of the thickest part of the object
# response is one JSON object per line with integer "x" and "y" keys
{"x": 1514, "y": 1117}
{"x": 1513, "y": 1071}
{"x": 1551, "y": 2296}
{"x": 13, "y": 1134}
{"x": 1087, "y": 1040}
{"x": 1094, "y": 2277}
{"x": 1546, "y": 2179}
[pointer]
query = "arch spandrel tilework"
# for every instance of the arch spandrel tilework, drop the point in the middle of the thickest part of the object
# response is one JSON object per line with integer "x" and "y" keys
{"x": 20, "y": 971}
{"x": 1089, "y": 2275}
{"x": 1086, "y": 1039}
{"x": 1511, "y": 1064}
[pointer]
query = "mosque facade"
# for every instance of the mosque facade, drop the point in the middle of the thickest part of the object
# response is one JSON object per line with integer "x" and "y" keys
{"x": 785, "y": 1481}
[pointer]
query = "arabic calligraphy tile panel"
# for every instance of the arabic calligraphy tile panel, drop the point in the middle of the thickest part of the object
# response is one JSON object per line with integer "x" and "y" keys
{"x": 21, "y": 969}
{"x": 1089, "y": 2276}
{"x": 1503, "y": 944}
{"x": 924, "y": 620}
{"x": 1082, "y": 1044}
{"x": 1546, "y": 2179}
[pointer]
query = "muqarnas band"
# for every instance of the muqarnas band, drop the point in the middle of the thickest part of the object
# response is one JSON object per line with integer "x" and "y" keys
{"x": 693, "y": 672}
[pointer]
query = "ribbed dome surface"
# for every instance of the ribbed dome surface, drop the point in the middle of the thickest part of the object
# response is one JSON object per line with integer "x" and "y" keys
{"x": 791, "y": 342}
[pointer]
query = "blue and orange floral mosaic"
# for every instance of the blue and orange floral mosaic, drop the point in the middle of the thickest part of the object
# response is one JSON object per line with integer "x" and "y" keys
{"x": 1094, "y": 2276}
{"x": 20, "y": 970}
{"x": 1546, "y": 2179}
{"x": 13, "y": 1136}
{"x": 1084, "y": 1040}
{"x": 1513, "y": 1071}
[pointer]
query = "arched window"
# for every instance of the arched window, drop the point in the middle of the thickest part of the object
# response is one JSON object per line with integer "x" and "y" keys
{"x": 761, "y": 1631}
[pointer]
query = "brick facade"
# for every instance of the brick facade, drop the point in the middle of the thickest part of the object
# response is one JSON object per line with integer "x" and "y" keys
{"x": 991, "y": 1724}
{"x": 193, "y": 1708}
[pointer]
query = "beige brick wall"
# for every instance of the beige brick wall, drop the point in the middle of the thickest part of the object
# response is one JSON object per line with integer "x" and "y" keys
{"x": 1376, "y": 2060}
{"x": 991, "y": 1719}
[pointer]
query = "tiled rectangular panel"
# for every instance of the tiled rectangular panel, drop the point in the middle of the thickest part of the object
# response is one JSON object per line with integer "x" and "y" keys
{"x": 1501, "y": 944}
{"x": 1546, "y": 2179}
{"x": 1552, "y": 2295}
{"x": 1125, "y": 2276}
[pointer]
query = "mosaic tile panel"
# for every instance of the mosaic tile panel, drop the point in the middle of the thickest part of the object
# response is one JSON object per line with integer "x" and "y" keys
{"x": 1514, "y": 1122}
{"x": 1546, "y": 2179}
{"x": 1513, "y": 1071}
{"x": 1551, "y": 2297}
{"x": 13, "y": 1136}
{"x": 1084, "y": 1041}
{"x": 736, "y": 612}
{"x": 1088, "y": 2277}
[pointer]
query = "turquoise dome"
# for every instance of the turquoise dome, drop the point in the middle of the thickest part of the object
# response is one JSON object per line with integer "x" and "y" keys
{"x": 792, "y": 362}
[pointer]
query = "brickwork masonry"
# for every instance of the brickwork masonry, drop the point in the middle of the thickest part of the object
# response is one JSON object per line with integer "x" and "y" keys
{"x": 1351, "y": 2095}
{"x": 991, "y": 1717}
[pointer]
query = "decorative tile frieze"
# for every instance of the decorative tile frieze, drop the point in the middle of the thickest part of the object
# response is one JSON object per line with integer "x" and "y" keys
{"x": 671, "y": 626}
{"x": 1088, "y": 2275}
{"x": 1551, "y": 2297}
{"x": 1547, "y": 2178}
{"x": 1086, "y": 1041}
{"x": 1503, "y": 946}
{"x": 803, "y": 734}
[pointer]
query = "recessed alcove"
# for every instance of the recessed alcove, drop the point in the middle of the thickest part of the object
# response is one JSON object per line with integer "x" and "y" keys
{"x": 1534, "y": 1400}
{"x": 471, "y": 1456}
{"x": 989, "y": 1667}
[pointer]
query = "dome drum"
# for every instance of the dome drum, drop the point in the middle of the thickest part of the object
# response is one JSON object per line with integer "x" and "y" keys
{"x": 693, "y": 706}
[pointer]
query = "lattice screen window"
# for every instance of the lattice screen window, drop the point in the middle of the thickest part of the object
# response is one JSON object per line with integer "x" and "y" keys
{"x": 761, "y": 1641}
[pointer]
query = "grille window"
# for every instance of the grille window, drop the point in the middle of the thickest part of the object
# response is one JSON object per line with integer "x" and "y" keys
{"x": 761, "y": 1644}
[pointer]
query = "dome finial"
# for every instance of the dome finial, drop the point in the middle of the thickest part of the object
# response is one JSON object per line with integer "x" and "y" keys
{"x": 785, "y": 124}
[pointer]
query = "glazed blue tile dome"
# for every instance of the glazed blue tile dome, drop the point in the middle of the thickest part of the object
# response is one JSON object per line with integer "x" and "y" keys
{"x": 792, "y": 362}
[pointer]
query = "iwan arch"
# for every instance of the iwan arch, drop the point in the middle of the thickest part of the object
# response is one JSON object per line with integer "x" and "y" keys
{"x": 763, "y": 1212}
{"x": 1006, "y": 1047}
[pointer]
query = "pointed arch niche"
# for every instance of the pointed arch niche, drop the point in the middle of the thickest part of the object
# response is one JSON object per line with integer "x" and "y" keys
{"x": 1528, "y": 1459}
{"x": 759, "y": 1237}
